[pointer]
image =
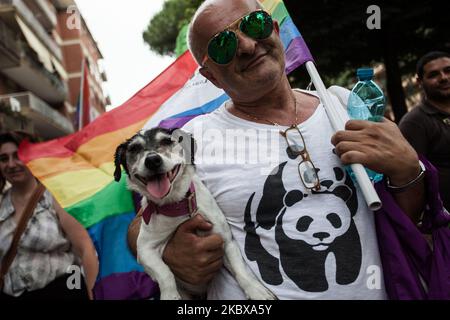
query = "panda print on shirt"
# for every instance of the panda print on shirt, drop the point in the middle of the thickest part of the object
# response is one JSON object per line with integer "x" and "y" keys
{"x": 305, "y": 246}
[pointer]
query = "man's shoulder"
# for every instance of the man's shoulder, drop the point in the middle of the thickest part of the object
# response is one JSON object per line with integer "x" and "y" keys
{"x": 334, "y": 90}
{"x": 416, "y": 115}
{"x": 416, "y": 125}
{"x": 341, "y": 94}
{"x": 339, "y": 91}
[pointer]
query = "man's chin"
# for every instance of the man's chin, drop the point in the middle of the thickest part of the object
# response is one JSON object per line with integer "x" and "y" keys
{"x": 442, "y": 96}
{"x": 445, "y": 93}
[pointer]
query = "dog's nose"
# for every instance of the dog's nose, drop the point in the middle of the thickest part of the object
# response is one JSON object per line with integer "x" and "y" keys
{"x": 153, "y": 161}
{"x": 321, "y": 235}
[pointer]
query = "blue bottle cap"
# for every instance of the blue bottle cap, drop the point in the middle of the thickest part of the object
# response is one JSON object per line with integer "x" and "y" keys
{"x": 364, "y": 74}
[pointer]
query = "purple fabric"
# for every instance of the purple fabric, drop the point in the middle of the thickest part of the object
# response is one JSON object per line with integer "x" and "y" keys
{"x": 172, "y": 123}
{"x": 297, "y": 54}
{"x": 405, "y": 253}
{"x": 132, "y": 285}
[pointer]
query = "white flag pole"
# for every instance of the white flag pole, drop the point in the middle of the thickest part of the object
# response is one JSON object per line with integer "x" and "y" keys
{"x": 338, "y": 123}
{"x": 81, "y": 97}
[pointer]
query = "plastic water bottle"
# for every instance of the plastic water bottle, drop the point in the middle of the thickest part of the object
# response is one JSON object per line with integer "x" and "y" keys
{"x": 366, "y": 102}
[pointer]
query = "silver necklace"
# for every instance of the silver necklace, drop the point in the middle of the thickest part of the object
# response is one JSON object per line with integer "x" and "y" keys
{"x": 269, "y": 121}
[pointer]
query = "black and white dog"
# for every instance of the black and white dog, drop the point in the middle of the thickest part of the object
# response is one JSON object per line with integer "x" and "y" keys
{"x": 160, "y": 168}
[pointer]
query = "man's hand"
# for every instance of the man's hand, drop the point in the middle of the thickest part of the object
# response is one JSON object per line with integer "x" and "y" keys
{"x": 379, "y": 146}
{"x": 192, "y": 258}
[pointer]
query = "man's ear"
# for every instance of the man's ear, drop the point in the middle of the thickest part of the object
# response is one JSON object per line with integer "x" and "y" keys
{"x": 208, "y": 75}
{"x": 276, "y": 27}
{"x": 120, "y": 159}
{"x": 419, "y": 81}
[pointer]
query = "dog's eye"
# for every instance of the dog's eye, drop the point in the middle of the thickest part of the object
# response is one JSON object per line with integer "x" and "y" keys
{"x": 166, "y": 142}
{"x": 135, "y": 148}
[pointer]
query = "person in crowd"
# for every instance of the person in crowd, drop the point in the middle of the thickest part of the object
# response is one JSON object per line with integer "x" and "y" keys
{"x": 427, "y": 126}
{"x": 303, "y": 228}
{"x": 52, "y": 255}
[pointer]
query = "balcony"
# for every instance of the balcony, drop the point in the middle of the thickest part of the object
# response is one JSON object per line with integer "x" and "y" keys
{"x": 63, "y": 4}
{"x": 46, "y": 121}
{"x": 8, "y": 10}
{"x": 44, "y": 12}
{"x": 103, "y": 76}
{"x": 9, "y": 47}
{"x": 33, "y": 76}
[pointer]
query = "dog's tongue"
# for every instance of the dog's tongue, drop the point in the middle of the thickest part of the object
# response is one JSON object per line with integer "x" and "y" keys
{"x": 159, "y": 187}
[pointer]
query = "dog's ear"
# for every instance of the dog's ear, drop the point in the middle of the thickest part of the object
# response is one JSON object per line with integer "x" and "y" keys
{"x": 187, "y": 141}
{"x": 193, "y": 147}
{"x": 120, "y": 159}
{"x": 172, "y": 130}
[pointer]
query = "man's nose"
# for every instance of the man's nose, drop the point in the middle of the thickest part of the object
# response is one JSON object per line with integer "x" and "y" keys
{"x": 246, "y": 45}
{"x": 445, "y": 77}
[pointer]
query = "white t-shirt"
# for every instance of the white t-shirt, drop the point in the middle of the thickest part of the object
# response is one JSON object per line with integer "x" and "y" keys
{"x": 300, "y": 244}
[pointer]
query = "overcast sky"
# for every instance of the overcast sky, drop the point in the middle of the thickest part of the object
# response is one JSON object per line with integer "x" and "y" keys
{"x": 117, "y": 26}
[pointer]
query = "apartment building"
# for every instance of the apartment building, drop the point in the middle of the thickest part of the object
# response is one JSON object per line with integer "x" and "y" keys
{"x": 42, "y": 46}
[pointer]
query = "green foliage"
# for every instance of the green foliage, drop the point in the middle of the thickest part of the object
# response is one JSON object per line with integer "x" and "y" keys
{"x": 163, "y": 29}
{"x": 339, "y": 39}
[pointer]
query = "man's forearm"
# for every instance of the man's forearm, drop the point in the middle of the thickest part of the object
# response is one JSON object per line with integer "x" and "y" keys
{"x": 412, "y": 201}
{"x": 133, "y": 232}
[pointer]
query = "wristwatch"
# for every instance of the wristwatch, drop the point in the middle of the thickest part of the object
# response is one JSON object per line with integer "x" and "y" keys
{"x": 410, "y": 184}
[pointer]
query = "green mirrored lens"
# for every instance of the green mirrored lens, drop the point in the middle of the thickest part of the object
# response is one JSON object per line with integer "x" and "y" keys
{"x": 257, "y": 25}
{"x": 222, "y": 48}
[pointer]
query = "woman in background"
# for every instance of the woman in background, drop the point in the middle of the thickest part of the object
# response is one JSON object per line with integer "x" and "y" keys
{"x": 52, "y": 243}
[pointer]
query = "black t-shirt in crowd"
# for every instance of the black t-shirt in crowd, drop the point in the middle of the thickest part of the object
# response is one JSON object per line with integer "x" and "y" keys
{"x": 428, "y": 130}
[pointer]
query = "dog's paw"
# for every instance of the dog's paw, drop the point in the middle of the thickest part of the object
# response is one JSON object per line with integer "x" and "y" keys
{"x": 170, "y": 295}
{"x": 258, "y": 292}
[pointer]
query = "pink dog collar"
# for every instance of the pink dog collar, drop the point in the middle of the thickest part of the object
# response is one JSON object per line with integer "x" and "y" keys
{"x": 187, "y": 206}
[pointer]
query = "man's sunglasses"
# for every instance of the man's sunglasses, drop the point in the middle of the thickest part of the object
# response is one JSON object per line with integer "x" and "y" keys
{"x": 223, "y": 46}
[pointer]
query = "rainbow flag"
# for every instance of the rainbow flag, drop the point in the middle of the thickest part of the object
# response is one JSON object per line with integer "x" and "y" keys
{"x": 78, "y": 169}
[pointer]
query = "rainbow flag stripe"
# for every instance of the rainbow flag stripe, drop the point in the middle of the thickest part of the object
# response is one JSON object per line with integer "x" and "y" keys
{"x": 78, "y": 169}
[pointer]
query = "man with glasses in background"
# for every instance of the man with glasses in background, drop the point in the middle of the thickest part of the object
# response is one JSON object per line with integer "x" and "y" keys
{"x": 303, "y": 228}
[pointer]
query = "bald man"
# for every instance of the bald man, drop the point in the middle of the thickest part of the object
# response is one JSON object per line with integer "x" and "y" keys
{"x": 303, "y": 228}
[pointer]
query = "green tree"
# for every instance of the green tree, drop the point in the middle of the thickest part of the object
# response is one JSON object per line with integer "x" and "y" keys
{"x": 163, "y": 29}
{"x": 340, "y": 41}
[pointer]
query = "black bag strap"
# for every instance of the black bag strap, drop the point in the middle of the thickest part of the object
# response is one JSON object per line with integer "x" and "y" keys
{"x": 27, "y": 213}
